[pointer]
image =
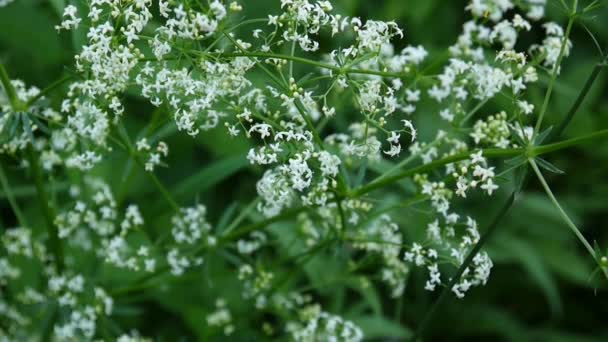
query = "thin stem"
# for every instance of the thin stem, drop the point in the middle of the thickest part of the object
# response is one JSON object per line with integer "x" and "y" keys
{"x": 476, "y": 248}
{"x": 492, "y": 152}
{"x": 55, "y": 245}
{"x": 8, "y": 191}
{"x": 159, "y": 185}
{"x": 555, "y": 70}
{"x": 241, "y": 216}
{"x": 581, "y": 97}
{"x": 472, "y": 112}
{"x": 240, "y": 232}
{"x": 48, "y": 89}
{"x": 309, "y": 124}
{"x": 538, "y": 150}
{"x": 302, "y": 60}
{"x": 565, "y": 216}
{"x": 145, "y": 282}
{"x": 405, "y": 161}
{"x": 511, "y": 152}
{"x": 10, "y": 90}
{"x": 166, "y": 195}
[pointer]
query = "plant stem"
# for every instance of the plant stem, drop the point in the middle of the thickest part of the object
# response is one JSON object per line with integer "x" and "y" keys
{"x": 565, "y": 217}
{"x": 55, "y": 245}
{"x": 556, "y": 68}
{"x": 472, "y": 112}
{"x": 239, "y": 232}
{"x": 10, "y": 90}
{"x": 11, "y": 199}
{"x": 322, "y": 65}
{"x": 159, "y": 185}
{"x": 476, "y": 248}
{"x": 538, "y": 150}
{"x": 133, "y": 155}
{"x": 492, "y": 152}
{"x": 48, "y": 89}
{"x": 144, "y": 282}
{"x": 432, "y": 165}
{"x": 581, "y": 97}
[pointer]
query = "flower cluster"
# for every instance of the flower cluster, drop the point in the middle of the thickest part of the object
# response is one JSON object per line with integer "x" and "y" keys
{"x": 95, "y": 221}
{"x": 152, "y": 156}
{"x": 319, "y": 325}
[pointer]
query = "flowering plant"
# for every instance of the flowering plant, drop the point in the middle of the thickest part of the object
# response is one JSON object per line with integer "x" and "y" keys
{"x": 332, "y": 114}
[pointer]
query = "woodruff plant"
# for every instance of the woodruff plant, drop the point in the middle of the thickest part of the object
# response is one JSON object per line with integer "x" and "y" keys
{"x": 185, "y": 58}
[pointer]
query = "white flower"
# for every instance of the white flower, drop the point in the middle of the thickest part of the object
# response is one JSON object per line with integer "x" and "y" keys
{"x": 489, "y": 186}
{"x": 477, "y": 158}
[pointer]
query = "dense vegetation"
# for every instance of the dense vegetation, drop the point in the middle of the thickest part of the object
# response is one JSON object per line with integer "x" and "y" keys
{"x": 303, "y": 170}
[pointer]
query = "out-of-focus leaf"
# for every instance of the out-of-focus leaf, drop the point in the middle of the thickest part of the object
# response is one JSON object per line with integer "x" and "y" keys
{"x": 380, "y": 327}
{"x": 34, "y": 39}
{"x": 209, "y": 176}
{"x": 79, "y": 34}
{"x": 532, "y": 262}
{"x": 368, "y": 291}
{"x": 58, "y": 6}
{"x": 548, "y": 166}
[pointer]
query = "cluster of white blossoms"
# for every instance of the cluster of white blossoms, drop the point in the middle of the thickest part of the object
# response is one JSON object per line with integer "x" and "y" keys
{"x": 309, "y": 322}
{"x": 94, "y": 220}
{"x": 80, "y": 304}
{"x": 317, "y": 129}
{"x": 84, "y": 306}
{"x": 317, "y": 325}
{"x": 189, "y": 228}
{"x": 495, "y": 9}
{"x": 221, "y": 318}
{"x": 152, "y": 155}
{"x": 384, "y": 237}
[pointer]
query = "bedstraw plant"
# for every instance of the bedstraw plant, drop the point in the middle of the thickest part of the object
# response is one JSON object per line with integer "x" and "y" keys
{"x": 331, "y": 110}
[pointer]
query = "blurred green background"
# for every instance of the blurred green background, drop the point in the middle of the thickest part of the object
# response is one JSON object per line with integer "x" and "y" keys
{"x": 541, "y": 288}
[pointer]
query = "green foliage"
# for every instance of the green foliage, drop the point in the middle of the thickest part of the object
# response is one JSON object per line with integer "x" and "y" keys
{"x": 542, "y": 287}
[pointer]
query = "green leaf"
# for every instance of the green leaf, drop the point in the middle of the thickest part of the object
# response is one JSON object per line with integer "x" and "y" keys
{"x": 381, "y": 327}
{"x": 548, "y": 166}
{"x": 369, "y": 293}
{"x": 79, "y": 34}
{"x": 209, "y": 176}
{"x": 542, "y": 136}
{"x": 58, "y": 6}
{"x": 28, "y": 33}
{"x": 516, "y": 161}
{"x": 517, "y": 137}
{"x": 532, "y": 262}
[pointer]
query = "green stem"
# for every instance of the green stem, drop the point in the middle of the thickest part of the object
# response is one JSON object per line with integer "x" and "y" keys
{"x": 581, "y": 97}
{"x": 322, "y": 65}
{"x": 159, "y": 185}
{"x": 55, "y": 245}
{"x": 492, "y": 152}
{"x": 555, "y": 70}
{"x": 472, "y": 112}
{"x": 146, "y": 281}
{"x": 456, "y": 277}
{"x": 8, "y": 191}
{"x": 133, "y": 155}
{"x": 433, "y": 165}
{"x": 16, "y": 104}
{"x": 405, "y": 161}
{"x": 47, "y": 90}
{"x": 565, "y": 217}
{"x": 568, "y": 143}
{"x": 240, "y": 232}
